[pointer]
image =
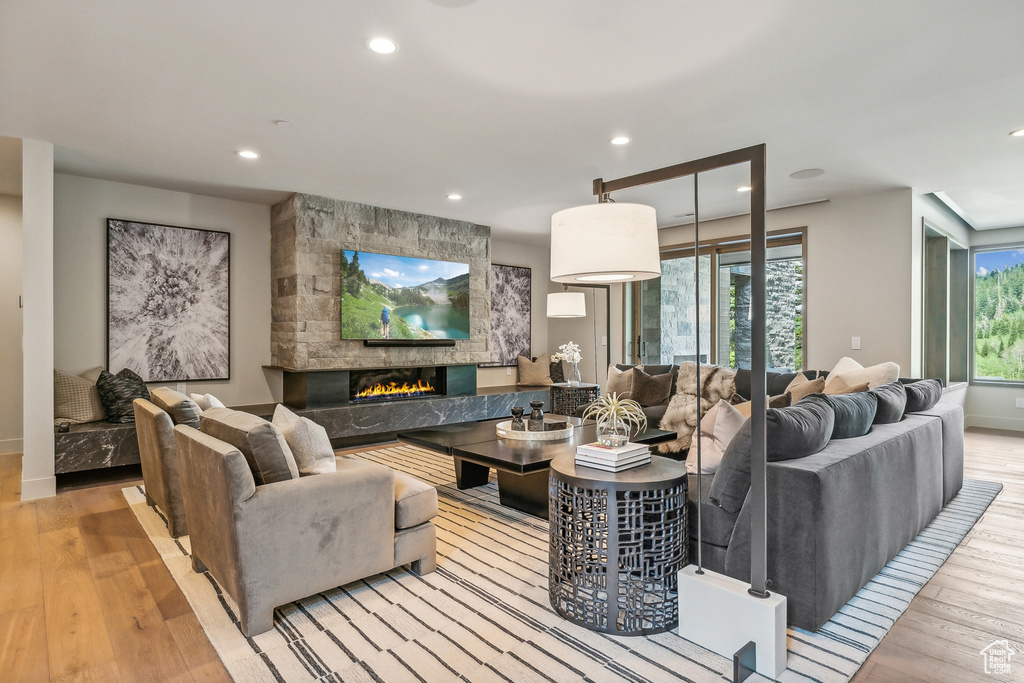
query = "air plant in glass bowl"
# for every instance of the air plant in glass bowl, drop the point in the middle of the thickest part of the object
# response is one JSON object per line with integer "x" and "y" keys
{"x": 615, "y": 417}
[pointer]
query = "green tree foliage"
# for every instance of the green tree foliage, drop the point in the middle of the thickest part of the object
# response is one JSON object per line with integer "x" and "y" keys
{"x": 999, "y": 324}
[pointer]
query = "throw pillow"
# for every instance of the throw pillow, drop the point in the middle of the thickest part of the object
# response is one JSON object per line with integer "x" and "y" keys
{"x": 854, "y": 373}
{"x": 892, "y": 403}
{"x": 620, "y": 381}
{"x": 309, "y": 442}
{"x": 855, "y": 413}
{"x": 181, "y": 408}
{"x": 839, "y": 386}
{"x": 780, "y": 401}
{"x": 117, "y": 393}
{"x": 732, "y": 480}
{"x": 263, "y": 445}
{"x": 922, "y": 394}
{"x": 92, "y": 374}
{"x": 801, "y": 386}
{"x": 799, "y": 430}
{"x": 206, "y": 401}
{"x": 717, "y": 429}
{"x": 556, "y": 371}
{"x": 75, "y": 399}
{"x": 650, "y": 390}
{"x": 775, "y": 383}
{"x": 534, "y": 373}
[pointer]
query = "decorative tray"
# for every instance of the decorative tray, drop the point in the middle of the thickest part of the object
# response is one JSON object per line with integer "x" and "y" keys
{"x": 504, "y": 431}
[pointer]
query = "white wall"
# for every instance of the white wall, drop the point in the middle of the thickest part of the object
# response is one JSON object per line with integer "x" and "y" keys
{"x": 535, "y": 258}
{"x": 37, "y": 476}
{"x": 10, "y": 325}
{"x": 857, "y": 275}
{"x": 995, "y": 406}
{"x": 81, "y": 208}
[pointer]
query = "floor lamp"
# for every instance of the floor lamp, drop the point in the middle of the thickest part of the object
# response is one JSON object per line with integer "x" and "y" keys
{"x": 717, "y": 612}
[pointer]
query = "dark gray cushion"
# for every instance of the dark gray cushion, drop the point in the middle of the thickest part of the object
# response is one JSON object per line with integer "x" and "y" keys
{"x": 732, "y": 480}
{"x": 117, "y": 393}
{"x": 650, "y": 390}
{"x": 717, "y": 523}
{"x": 922, "y": 394}
{"x": 654, "y": 414}
{"x": 556, "y": 371}
{"x": 182, "y": 409}
{"x": 854, "y": 413}
{"x": 799, "y": 430}
{"x": 260, "y": 441}
{"x": 892, "y": 403}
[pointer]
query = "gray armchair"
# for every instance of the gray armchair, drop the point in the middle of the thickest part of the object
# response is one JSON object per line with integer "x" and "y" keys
{"x": 275, "y": 543}
{"x": 155, "y": 431}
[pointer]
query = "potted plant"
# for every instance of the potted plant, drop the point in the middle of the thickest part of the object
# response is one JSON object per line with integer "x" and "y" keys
{"x": 615, "y": 416}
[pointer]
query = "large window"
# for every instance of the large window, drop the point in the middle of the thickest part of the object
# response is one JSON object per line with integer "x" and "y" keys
{"x": 662, "y": 325}
{"x": 999, "y": 314}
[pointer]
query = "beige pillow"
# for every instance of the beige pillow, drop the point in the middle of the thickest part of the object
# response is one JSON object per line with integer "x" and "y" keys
{"x": 75, "y": 399}
{"x": 309, "y": 442}
{"x": 619, "y": 381}
{"x": 797, "y": 389}
{"x": 840, "y": 387}
{"x": 717, "y": 428}
{"x": 206, "y": 401}
{"x": 534, "y": 373}
{"x": 780, "y": 401}
{"x": 853, "y": 373}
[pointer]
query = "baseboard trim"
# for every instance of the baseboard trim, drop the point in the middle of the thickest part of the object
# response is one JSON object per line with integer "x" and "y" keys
{"x": 1010, "y": 423}
{"x": 11, "y": 446}
{"x": 39, "y": 488}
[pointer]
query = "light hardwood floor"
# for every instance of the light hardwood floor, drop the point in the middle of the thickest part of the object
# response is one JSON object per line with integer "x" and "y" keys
{"x": 84, "y": 597}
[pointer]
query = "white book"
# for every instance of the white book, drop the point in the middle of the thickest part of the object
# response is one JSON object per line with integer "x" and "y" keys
{"x": 614, "y": 468}
{"x": 614, "y": 463}
{"x": 598, "y": 451}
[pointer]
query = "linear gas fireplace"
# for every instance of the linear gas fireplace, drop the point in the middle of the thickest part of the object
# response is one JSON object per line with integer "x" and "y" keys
{"x": 391, "y": 384}
{"x": 330, "y": 387}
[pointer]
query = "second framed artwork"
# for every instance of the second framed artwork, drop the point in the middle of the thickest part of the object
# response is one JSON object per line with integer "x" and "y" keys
{"x": 511, "y": 325}
{"x": 168, "y": 293}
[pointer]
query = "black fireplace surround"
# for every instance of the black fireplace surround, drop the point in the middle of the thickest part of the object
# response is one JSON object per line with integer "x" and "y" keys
{"x": 327, "y": 388}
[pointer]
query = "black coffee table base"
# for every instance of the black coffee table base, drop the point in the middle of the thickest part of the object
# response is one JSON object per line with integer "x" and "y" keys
{"x": 524, "y": 492}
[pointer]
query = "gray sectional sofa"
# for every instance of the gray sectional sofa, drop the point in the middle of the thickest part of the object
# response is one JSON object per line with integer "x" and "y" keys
{"x": 836, "y": 517}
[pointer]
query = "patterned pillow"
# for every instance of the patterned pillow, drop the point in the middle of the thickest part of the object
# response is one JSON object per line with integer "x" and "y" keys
{"x": 75, "y": 399}
{"x": 117, "y": 393}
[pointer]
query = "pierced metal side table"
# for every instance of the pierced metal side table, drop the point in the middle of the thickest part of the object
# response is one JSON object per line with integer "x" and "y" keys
{"x": 566, "y": 398}
{"x": 618, "y": 540}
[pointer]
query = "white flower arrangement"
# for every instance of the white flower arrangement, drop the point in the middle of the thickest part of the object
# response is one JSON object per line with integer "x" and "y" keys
{"x": 569, "y": 352}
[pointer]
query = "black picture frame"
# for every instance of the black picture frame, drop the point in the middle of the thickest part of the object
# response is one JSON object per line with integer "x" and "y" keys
{"x": 168, "y": 301}
{"x": 511, "y": 314}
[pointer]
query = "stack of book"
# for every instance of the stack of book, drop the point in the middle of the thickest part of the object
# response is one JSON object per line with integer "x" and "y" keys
{"x": 613, "y": 459}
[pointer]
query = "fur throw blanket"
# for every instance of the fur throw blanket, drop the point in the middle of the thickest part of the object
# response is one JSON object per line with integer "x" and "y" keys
{"x": 680, "y": 417}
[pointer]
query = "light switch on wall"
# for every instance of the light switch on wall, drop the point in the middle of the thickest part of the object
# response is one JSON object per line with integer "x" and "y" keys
{"x": 508, "y": 372}
{"x": 604, "y": 340}
{"x": 855, "y": 343}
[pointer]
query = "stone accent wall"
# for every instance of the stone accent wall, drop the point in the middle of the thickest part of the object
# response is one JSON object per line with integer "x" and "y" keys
{"x": 307, "y": 236}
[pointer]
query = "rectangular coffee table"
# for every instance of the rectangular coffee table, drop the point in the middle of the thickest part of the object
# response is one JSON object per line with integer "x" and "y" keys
{"x": 521, "y": 466}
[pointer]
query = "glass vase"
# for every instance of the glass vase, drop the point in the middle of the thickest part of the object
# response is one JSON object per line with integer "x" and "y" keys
{"x": 613, "y": 432}
{"x": 574, "y": 378}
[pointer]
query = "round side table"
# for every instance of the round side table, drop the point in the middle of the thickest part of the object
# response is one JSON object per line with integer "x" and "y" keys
{"x": 565, "y": 398}
{"x": 618, "y": 540}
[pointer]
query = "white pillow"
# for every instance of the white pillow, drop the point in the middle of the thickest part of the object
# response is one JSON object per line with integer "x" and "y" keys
{"x": 206, "y": 401}
{"x": 309, "y": 442}
{"x": 717, "y": 429}
{"x": 853, "y": 373}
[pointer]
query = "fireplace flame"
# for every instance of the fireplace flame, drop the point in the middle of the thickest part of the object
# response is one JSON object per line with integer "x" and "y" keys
{"x": 395, "y": 390}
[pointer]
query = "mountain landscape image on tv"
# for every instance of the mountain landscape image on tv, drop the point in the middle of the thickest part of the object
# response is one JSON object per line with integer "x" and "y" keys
{"x": 401, "y": 297}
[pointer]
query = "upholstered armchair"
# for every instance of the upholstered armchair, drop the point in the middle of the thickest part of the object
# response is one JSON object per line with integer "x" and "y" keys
{"x": 271, "y": 544}
{"x": 155, "y": 431}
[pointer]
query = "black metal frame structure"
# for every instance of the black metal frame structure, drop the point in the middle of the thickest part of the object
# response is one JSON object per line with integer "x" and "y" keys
{"x": 755, "y": 156}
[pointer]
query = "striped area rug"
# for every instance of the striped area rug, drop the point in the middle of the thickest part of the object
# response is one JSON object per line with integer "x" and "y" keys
{"x": 484, "y": 614}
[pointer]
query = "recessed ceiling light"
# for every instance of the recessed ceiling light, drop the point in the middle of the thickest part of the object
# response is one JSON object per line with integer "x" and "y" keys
{"x": 283, "y": 123}
{"x": 743, "y": 188}
{"x": 620, "y": 140}
{"x": 383, "y": 46}
{"x": 248, "y": 154}
{"x": 806, "y": 173}
{"x": 1018, "y": 133}
{"x": 455, "y": 197}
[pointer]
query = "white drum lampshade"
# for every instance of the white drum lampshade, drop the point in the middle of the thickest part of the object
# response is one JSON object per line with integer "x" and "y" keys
{"x": 567, "y": 305}
{"x": 605, "y": 242}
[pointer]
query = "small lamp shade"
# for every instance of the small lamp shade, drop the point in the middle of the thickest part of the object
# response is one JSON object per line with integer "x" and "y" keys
{"x": 605, "y": 242}
{"x": 567, "y": 305}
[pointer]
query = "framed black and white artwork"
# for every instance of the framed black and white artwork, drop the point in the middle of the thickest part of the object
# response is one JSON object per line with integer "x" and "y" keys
{"x": 168, "y": 290}
{"x": 511, "y": 289}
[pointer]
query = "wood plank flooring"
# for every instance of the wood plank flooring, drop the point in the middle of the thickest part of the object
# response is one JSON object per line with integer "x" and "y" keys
{"x": 977, "y": 597}
{"x": 84, "y": 596}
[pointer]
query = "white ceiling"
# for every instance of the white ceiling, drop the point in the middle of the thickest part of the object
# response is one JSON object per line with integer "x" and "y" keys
{"x": 512, "y": 104}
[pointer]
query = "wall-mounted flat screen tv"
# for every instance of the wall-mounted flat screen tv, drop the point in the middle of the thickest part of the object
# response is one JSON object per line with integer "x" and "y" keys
{"x": 401, "y": 297}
